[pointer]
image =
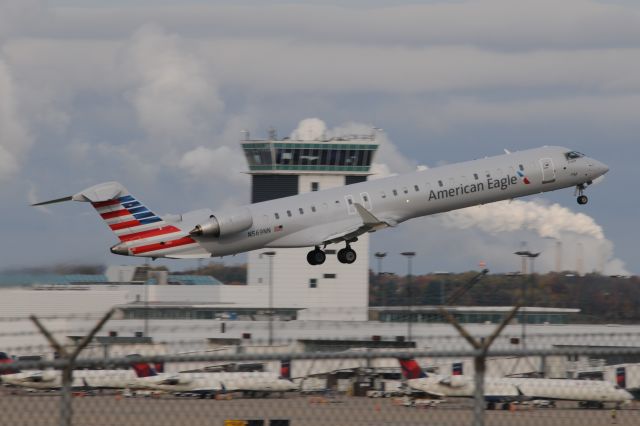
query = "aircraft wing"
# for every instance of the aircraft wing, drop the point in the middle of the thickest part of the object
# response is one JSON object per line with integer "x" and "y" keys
{"x": 370, "y": 223}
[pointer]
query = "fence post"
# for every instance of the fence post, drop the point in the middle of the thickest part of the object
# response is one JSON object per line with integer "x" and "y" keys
{"x": 66, "y": 411}
{"x": 479, "y": 360}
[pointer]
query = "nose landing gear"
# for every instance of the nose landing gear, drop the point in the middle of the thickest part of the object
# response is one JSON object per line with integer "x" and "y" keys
{"x": 582, "y": 199}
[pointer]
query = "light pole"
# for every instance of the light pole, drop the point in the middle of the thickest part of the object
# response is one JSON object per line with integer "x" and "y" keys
{"x": 441, "y": 277}
{"x": 381, "y": 255}
{"x": 409, "y": 255}
{"x": 524, "y": 254}
{"x": 270, "y": 254}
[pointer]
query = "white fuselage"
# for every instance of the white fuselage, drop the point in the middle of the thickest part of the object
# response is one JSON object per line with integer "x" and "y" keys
{"x": 94, "y": 379}
{"x": 218, "y": 382}
{"x": 512, "y": 388}
{"x": 313, "y": 218}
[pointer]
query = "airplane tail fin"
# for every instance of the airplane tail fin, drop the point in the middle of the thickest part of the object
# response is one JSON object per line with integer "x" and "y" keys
{"x": 621, "y": 377}
{"x": 411, "y": 369}
{"x": 140, "y": 231}
{"x": 285, "y": 369}
{"x": 6, "y": 359}
{"x": 143, "y": 369}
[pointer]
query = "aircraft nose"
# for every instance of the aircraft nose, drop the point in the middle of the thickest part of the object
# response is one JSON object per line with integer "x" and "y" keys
{"x": 599, "y": 168}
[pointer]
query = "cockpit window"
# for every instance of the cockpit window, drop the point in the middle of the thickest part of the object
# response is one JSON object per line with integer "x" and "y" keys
{"x": 572, "y": 155}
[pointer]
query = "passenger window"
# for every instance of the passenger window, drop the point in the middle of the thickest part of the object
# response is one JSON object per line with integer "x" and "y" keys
{"x": 440, "y": 183}
{"x": 488, "y": 174}
{"x": 382, "y": 194}
{"x": 301, "y": 211}
{"x": 277, "y": 215}
{"x": 289, "y": 213}
{"x": 475, "y": 176}
{"x": 416, "y": 188}
{"x": 350, "y": 201}
{"x": 313, "y": 209}
{"x": 405, "y": 190}
{"x": 365, "y": 198}
{"x": 395, "y": 192}
{"x": 521, "y": 167}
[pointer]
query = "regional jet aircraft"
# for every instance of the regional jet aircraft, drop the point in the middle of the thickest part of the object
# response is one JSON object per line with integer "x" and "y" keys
{"x": 337, "y": 215}
{"x": 505, "y": 389}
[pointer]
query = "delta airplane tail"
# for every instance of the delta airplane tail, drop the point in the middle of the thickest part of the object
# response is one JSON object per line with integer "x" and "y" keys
{"x": 140, "y": 231}
{"x": 285, "y": 369}
{"x": 411, "y": 369}
{"x": 143, "y": 370}
{"x": 5, "y": 359}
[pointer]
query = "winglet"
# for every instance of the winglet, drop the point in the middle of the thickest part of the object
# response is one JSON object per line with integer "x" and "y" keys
{"x": 367, "y": 217}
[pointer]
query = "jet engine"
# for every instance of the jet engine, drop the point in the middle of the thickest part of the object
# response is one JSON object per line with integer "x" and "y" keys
{"x": 455, "y": 381}
{"x": 224, "y": 224}
{"x": 175, "y": 380}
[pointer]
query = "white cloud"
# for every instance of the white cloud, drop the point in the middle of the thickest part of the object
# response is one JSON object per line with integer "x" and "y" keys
{"x": 175, "y": 99}
{"x": 15, "y": 138}
{"x": 215, "y": 165}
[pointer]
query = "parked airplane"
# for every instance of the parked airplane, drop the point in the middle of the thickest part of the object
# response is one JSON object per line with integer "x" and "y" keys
{"x": 589, "y": 393}
{"x": 456, "y": 386}
{"x": 317, "y": 219}
{"x": 206, "y": 384}
{"x": 82, "y": 379}
{"x": 506, "y": 389}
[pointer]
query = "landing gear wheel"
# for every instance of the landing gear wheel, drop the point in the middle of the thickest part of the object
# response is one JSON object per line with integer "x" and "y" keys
{"x": 583, "y": 199}
{"x": 347, "y": 255}
{"x": 316, "y": 257}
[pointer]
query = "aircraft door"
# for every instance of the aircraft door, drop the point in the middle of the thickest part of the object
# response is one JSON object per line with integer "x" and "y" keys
{"x": 350, "y": 207}
{"x": 366, "y": 200}
{"x": 548, "y": 170}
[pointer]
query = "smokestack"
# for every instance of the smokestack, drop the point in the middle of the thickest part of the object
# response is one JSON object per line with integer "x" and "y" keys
{"x": 558, "y": 256}
{"x": 580, "y": 259}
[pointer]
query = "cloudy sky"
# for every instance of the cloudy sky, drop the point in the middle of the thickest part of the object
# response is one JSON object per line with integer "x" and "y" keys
{"x": 155, "y": 93}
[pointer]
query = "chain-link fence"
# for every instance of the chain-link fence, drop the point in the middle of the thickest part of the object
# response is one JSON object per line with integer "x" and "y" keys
{"x": 364, "y": 375}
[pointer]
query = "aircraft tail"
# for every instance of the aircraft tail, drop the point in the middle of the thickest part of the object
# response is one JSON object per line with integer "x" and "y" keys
{"x": 411, "y": 369}
{"x": 6, "y": 359}
{"x": 621, "y": 377}
{"x": 285, "y": 369}
{"x": 143, "y": 369}
{"x": 140, "y": 231}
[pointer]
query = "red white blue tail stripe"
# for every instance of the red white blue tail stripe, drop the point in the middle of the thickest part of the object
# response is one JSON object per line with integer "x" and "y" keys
{"x": 141, "y": 232}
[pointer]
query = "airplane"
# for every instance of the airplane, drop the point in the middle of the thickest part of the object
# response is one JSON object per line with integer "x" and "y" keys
{"x": 508, "y": 389}
{"x": 440, "y": 387}
{"x": 205, "y": 384}
{"x": 84, "y": 380}
{"x": 337, "y": 215}
{"x": 589, "y": 393}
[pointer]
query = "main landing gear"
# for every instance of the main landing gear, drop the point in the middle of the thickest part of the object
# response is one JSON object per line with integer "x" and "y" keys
{"x": 345, "y": 255}
{"x": 582, "y": 199}
{"x": 316, "y": 256}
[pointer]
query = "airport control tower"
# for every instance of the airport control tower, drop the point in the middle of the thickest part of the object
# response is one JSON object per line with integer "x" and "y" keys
{"x": 285, "y": 167}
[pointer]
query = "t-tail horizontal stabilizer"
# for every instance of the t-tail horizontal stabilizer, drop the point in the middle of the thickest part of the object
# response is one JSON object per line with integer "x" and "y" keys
{"x": 141, "y": 232}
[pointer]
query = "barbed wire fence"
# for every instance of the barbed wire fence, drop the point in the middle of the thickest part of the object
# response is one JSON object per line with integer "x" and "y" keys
{"x": 62, "y": 393}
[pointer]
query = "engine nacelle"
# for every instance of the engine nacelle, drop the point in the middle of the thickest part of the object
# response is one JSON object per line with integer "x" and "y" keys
{"x": 220, "y": 225}
{"x": 455, "y": 381}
